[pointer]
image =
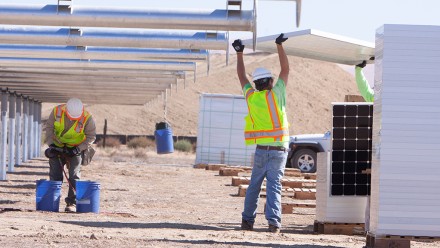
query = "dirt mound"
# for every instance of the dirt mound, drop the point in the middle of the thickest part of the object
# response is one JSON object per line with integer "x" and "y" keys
{"x": 313, "y": 85}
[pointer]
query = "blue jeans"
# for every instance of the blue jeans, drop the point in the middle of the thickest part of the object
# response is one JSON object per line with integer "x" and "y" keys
{"x": 56, "y": 173}
{"x": 270, "y": 165}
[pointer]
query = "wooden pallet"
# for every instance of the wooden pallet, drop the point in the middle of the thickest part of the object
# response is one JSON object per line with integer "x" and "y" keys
{"x": 287, "y": 208}
{"x": 379, "y": 241}
{"x": 338, "y": 228}
{"x": 305, "y": 194}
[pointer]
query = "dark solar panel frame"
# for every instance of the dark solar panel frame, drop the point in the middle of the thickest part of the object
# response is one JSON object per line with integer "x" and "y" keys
{"x": 352, "y": 128}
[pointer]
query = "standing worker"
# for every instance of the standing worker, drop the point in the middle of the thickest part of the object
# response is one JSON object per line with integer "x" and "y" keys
{"x": 72, "y": 130}
{"x": 368, "y": 94}
{"x": 267, "y": 127}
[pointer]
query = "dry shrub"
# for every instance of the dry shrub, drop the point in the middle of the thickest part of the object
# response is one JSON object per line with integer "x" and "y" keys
{"x": 140, "y": 153}
{"x": 140, "y": 142}
{"x": 110, "y": 142}
{"x": 183, "y": 145}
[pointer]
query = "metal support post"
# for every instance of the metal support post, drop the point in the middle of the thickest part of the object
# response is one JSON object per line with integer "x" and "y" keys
{"x": 25, "y": 128}
{"x": 37, "y": 144}
{"x": 31, "y": 129}
{"x": 4, "y": 118}
{"x": 11, "y": 143}
{"x": 40, "y": 129}
{"x": 18, "y": 131}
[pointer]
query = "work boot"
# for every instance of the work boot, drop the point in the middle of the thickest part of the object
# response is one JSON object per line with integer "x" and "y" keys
{"x": 247, "y": 226}
{"x": 274, "y": 229}
{"x": 70, "y": 208}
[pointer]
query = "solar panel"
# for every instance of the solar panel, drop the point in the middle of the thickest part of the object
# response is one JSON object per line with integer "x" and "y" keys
{"x": 315, "y": 44}
{"x": 351, "y": 148}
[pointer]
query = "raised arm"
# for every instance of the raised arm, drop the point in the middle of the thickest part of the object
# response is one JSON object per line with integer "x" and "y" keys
{"x": 364, "y": 87}
{"x": 284, "y": 62}
{"x": 241, "y": 71}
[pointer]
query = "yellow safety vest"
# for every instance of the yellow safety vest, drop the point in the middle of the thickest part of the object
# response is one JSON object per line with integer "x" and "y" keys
{"x": 75, "y": 135}
{"x": 266, "y": 122}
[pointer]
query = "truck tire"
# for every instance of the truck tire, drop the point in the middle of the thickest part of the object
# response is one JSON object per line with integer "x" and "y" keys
{"x": 305, "y": 160}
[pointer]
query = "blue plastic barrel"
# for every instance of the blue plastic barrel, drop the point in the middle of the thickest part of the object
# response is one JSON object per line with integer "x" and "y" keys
{"x": 87, "y": 196}
{"x": 164, "y": 138}
{"x": 48, "y": 194}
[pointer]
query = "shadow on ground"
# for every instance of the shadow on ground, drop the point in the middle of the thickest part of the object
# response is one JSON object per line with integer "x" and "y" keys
{"x": 32, "y": 166}
{"x": 237, "y": 243}
{"x": 30, "y": 173}
{"x": 22, "y": 186}
{"x": 111, "y": 224}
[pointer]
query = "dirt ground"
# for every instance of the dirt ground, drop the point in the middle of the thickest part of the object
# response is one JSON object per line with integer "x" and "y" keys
{"x": 150, "y": 200}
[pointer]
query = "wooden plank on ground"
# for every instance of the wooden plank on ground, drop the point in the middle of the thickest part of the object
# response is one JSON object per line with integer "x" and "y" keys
{"x": 287, "y": 208}
{"x": 242, "y": 190}
{"x": 200, "y": 166}
{"x": 309, "y": 176}
{"x": 215, "y": 167}
{"x": 305, "y": 194}
{"x": 297, "y": 182}
{"x": 240, "y": 180}
{"x": 226, "y": 171}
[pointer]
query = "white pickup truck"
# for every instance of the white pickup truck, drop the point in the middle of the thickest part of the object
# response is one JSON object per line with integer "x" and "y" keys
{"x": 303, "y": 149}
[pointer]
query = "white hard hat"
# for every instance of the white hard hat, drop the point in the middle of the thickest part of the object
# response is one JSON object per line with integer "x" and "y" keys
{"x": 260, "y": 73}
{"x": 74, "y": 108}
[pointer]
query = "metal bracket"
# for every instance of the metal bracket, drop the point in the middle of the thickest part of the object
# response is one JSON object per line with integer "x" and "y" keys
{"x": 230, "y": 3}
{"x": 74, "y": 31}
{"x": 298, "y": 12}
{"x": 254, "y": 28}
{"x": 64, "y": 8}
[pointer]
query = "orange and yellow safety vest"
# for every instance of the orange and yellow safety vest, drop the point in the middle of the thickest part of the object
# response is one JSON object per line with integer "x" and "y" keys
{"x": 75, "y": 135}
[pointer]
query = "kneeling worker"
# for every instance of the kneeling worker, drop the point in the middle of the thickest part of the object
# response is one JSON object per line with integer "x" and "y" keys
{"x": 72, "y": 130}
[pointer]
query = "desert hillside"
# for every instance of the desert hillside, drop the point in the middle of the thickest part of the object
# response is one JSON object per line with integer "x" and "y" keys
{"x": 313, "y": 85}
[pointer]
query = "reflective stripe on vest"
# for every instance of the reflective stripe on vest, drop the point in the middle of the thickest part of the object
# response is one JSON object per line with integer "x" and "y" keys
{"x": 277, "y": 134}
{"x": 59, "y": 112}
{"x": 80, "y": 124}
{"x": 270, "y": 99}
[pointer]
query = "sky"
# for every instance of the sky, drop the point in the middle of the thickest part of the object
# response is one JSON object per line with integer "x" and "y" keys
{"x": 358, "y": 19}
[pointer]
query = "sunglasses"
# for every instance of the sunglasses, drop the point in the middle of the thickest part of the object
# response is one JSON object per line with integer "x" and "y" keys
{"x": 262, "y": 80}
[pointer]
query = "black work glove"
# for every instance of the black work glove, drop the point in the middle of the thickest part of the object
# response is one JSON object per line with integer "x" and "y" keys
{"x": 74, "y": 151}
{"x": 280, "y": 39}
{"x": 52, "y": 151}
{"x": 238, "y": 46}
{"x": 362, "y": 65}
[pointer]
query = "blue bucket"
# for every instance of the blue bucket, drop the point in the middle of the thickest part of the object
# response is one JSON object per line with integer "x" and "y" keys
{"x": 48, "y": 194}
{"x": 87, "y": 196}
{"x": 164, "y": 141}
